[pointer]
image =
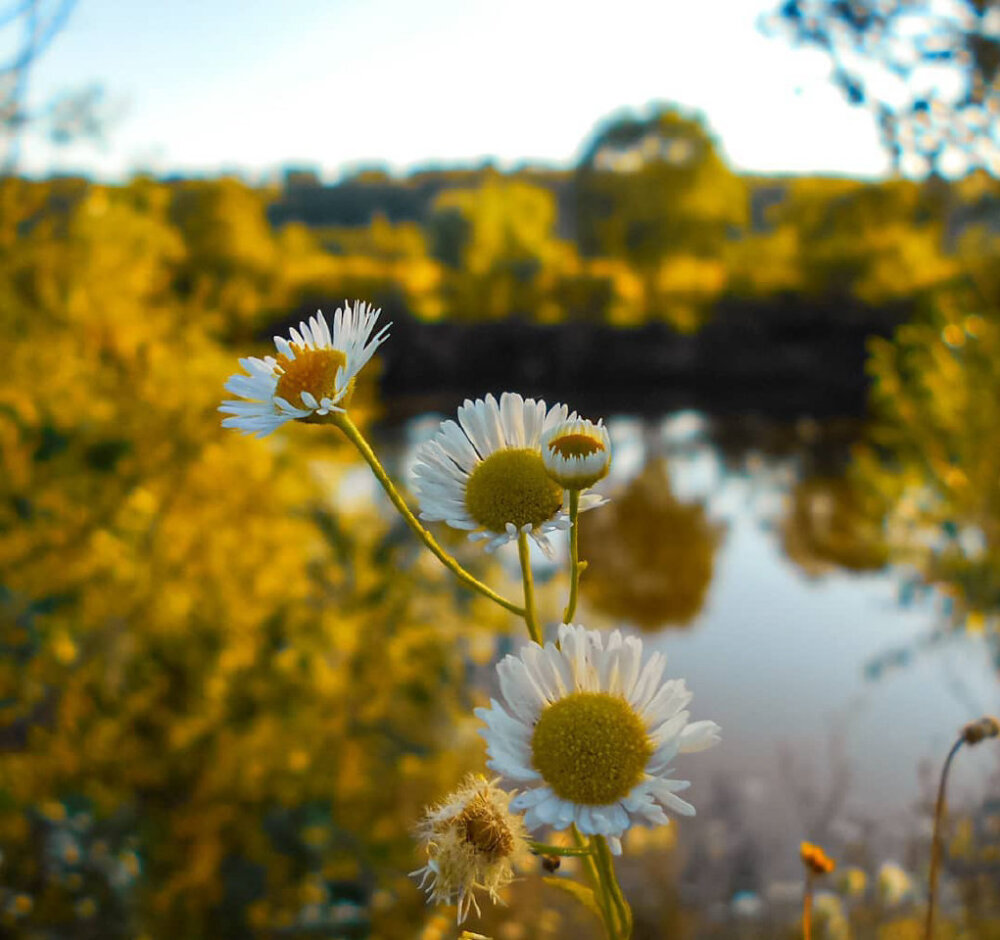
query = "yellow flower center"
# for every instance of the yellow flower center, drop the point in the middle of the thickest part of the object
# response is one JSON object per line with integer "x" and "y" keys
{"x": 512, "y": 486}
{"x": 312, "y": 370}
{"x": 484, "y": 829}
{"x": 591, "y": 748}
{"x": 575, "y": 445}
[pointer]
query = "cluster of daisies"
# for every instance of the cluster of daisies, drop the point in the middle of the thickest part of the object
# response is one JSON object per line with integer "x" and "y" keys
{"x": 585, "y": 729}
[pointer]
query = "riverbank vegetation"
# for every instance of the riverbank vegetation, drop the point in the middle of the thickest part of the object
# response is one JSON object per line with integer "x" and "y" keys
{"x": 194, "y": 728}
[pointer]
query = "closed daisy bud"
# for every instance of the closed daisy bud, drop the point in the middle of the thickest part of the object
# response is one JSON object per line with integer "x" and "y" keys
{"x": 577, "y": 453}
{"x": 311, "y": 378}
{"x": 815, "y": 859}
{"x": 472, "y": 841}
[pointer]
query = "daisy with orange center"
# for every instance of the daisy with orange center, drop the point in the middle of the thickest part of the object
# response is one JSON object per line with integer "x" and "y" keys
{"x": 311, "y": 378}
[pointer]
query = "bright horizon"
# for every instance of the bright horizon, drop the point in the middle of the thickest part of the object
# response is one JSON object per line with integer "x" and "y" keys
{"x": 255, "y": 86}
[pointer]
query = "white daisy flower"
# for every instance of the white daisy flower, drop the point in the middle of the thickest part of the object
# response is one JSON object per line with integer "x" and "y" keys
{"x": 577, "y": 453}
{"x": 589, "y": 734}
{"x": 485, "y": 473}
{"x": 473, "y": 841}
{"x": 312, "y": 376}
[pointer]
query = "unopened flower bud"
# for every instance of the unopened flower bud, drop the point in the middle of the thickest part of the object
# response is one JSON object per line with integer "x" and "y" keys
{"x": 981, "y": 729}
{"x": 577, "y": 453}
{"x": 815, "y": 859}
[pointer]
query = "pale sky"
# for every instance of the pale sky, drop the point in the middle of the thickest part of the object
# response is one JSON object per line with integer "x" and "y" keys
{"x": 251, "y": 85}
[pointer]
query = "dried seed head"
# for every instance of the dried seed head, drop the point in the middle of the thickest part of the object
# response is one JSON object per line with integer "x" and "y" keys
{"x": 981, "y": 729}
{"x": 472, "y": 841}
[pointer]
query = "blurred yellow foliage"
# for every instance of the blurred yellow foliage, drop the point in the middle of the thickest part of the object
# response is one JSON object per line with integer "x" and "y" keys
{"x": 210, "y": 677}
{"x": 933, "y": 466}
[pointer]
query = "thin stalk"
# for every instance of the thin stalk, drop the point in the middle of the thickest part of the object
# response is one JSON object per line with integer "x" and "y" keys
{"x": 936, "y": 840}
{"x": 606, "y": 867}
{"x": 574, "y": 556}
{"x": 807, "y": 906}
{"x": 544, "y": 848}
{"x": 596, "y": 882}
{"x": 530, "y": 615}
{"x": 357, "y": 439}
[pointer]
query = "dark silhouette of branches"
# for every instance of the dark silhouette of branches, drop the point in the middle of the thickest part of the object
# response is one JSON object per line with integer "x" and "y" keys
{"x": 928, "y": 71}
{"x": 71, "y": 115}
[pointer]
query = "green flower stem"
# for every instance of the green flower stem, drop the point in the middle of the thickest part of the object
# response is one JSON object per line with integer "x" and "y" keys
{"x": 597, "y": 883}
{"x": 357, "y": 439}
{"x": 606, "y": 868}
{"x": 530, "y": 616}
{"x": 574, "y": 556}
{"x": 543, "y": 848}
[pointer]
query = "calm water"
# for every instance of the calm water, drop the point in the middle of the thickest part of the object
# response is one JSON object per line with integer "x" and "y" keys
{"x": 781, "y": 652}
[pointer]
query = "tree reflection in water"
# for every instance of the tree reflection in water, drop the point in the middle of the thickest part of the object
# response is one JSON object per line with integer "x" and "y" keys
{"x": 829, "y": 525}
{"x": 650, "y": 555}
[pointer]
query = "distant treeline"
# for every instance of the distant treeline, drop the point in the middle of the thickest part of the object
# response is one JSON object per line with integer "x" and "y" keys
{"x": 652, "y": 231}
{"x": 651, "y": 226}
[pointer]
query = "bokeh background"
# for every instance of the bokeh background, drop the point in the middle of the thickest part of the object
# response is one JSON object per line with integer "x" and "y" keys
{"x": 760, "y": 240}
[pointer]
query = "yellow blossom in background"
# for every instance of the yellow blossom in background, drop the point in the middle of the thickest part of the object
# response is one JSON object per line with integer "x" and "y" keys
{"x": 852, "y": 882}
{"x": 815, "y": 859}
{"x": 830, "y": 916}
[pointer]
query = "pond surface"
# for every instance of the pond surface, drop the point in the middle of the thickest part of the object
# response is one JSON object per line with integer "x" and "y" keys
{"x": 838, "y": 702}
